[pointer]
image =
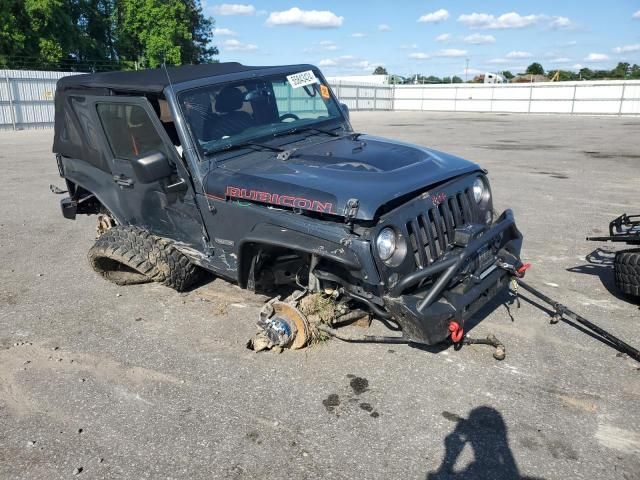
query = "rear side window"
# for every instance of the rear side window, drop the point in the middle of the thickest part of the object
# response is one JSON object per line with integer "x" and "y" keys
{"x": 129, "y": 130}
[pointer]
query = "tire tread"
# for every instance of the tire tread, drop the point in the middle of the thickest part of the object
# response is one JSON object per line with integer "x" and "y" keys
{"x": 626, "y": 267}
{"x": 152, "y": 258}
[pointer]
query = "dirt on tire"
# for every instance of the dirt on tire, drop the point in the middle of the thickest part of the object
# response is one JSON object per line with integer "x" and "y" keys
{"x": 128, "y": 255}
{"x": 626, "y": 267}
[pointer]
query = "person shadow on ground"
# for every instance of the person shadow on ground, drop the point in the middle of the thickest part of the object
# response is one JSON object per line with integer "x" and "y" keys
{"x": 486, "y": 433}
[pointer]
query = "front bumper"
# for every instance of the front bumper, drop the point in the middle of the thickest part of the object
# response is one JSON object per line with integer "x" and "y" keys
{"x": 453, "y": 292}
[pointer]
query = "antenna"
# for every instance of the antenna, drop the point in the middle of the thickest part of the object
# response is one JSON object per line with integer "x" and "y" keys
{"x": 166, "y": 72}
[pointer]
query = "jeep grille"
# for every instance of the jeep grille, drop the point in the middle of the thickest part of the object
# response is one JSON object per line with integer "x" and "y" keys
{"x": 431, "y": 233}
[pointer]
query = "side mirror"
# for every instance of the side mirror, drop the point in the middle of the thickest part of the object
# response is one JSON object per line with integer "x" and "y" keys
{"x": 152, "y": 168}
{"x": 345, "y": 110}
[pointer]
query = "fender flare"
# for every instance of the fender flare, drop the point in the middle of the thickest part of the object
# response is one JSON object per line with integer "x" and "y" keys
{"x": 279, "y": 236}
{"x": 99, "y": 192}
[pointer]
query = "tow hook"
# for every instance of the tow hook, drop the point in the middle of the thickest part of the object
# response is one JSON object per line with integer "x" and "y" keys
{"x": 457, "y": 332}
{"x": 517, "y": 272}
{"x": 520, "y": 271}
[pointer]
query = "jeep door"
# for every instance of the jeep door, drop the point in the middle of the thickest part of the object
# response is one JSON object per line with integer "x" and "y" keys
{"x": 163, "y": 202}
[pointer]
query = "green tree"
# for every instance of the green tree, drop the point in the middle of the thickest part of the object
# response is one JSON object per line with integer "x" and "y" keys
{"x": 508, "y": 75}
{"x": 103, "y": 34}
{"x": 585, "y": 73}
{"x": 94, "y": 47}
{"x": 535, "y": 69}
{"x": 13, "y": 34}
{"x": 622, "y": 70}
{"x": 456, "y": 79}
{"x": 600, "y": 74}
{"x": 567, "y": 75}
{"x": 198, "y": 49}
{"x": 151, "y": 32}
{"x": 94, "y": 21}
{"x": 35, "y": 33}
{"x": 51, "y": 29}
{"x": 380, "y": 71}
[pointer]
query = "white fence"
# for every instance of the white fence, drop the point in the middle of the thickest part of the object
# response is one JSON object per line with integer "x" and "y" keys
{"x": 26, "y": 97}
{"x": 594, "y": 98}
{"x": 364, "y": 96}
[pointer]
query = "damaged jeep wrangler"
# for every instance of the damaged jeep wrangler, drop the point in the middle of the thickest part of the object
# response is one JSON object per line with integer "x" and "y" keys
{"x": 256, "y": 175}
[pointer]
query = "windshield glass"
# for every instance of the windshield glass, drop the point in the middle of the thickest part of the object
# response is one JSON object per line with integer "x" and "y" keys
{"x": 221, "y": 116}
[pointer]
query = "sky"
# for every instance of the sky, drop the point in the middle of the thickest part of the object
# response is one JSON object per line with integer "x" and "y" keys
{"x": 352, "y": 37}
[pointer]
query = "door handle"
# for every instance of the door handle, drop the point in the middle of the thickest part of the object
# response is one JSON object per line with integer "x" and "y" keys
{"x": 123, "y": 181}
{"x": 179, "y": 186}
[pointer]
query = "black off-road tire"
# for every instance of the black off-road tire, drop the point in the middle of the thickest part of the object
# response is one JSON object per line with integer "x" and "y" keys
{"x": 127, "y": 255}
{"x": 626, "y": 267}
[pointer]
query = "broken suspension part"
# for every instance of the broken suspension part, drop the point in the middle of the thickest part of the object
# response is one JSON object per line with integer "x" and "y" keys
{"x": 500, "y": 352}
{"x": 346, "y": 337}
{"x": 561, "y": 310}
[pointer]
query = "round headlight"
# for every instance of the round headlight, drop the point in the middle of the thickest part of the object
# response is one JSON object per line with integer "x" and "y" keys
{"x": 478, "y": 190}
{"x": 386, "y": 243}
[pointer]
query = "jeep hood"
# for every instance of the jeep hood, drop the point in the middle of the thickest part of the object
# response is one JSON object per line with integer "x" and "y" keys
{"x": 323, "y": 176}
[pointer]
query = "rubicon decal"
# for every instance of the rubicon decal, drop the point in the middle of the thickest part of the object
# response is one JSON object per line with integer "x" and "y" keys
{"x": 279, "y": 199}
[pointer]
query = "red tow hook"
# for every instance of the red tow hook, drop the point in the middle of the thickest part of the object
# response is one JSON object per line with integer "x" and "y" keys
{"x": 516, "y": 272}
{"x": 523, "y": 268}
{"x": 457, "y": 332}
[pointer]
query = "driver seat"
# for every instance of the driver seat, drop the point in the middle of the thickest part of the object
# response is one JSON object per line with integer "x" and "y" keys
{"x": 231, "y": 120}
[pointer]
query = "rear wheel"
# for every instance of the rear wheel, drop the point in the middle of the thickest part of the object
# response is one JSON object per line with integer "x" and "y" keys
{"x": 127, "y": 255}
{"x": 626, "y": 266}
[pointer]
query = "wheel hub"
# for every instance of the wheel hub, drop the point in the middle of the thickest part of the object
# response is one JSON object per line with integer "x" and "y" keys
{"x": 281, "y": 325}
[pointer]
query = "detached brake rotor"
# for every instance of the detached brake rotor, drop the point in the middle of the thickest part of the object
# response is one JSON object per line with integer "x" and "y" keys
{"x": 281, "y": 325}
{"x": 298, "y": 323}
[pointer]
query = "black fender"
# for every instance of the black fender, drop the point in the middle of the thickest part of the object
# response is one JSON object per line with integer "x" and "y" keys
{"x": 82, "y": 175}
{"x": 278, "y": 236}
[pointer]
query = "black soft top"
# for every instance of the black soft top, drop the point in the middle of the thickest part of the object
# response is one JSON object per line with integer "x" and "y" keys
{"x": 152, "y": 80}
{"x": 73, "y": 136}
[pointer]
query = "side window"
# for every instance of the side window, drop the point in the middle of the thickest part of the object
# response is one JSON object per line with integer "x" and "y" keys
{"x": 129, "y": 130}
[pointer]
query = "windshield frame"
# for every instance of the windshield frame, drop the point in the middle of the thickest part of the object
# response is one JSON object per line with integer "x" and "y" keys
{"x": 179, "y": 90}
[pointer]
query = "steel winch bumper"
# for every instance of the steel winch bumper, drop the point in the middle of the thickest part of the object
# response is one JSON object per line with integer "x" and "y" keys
{"x": 453, "y": 293}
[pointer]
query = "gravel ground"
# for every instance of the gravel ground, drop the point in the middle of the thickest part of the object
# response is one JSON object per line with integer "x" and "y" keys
{"x": 101, "y": 381}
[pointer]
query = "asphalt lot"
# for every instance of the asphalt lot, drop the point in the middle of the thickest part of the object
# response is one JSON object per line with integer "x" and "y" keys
{"x": 143, "y": 382}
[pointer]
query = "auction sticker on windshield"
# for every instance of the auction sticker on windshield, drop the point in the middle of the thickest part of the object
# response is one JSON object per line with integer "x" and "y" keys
{"x": 301, "y": 79}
